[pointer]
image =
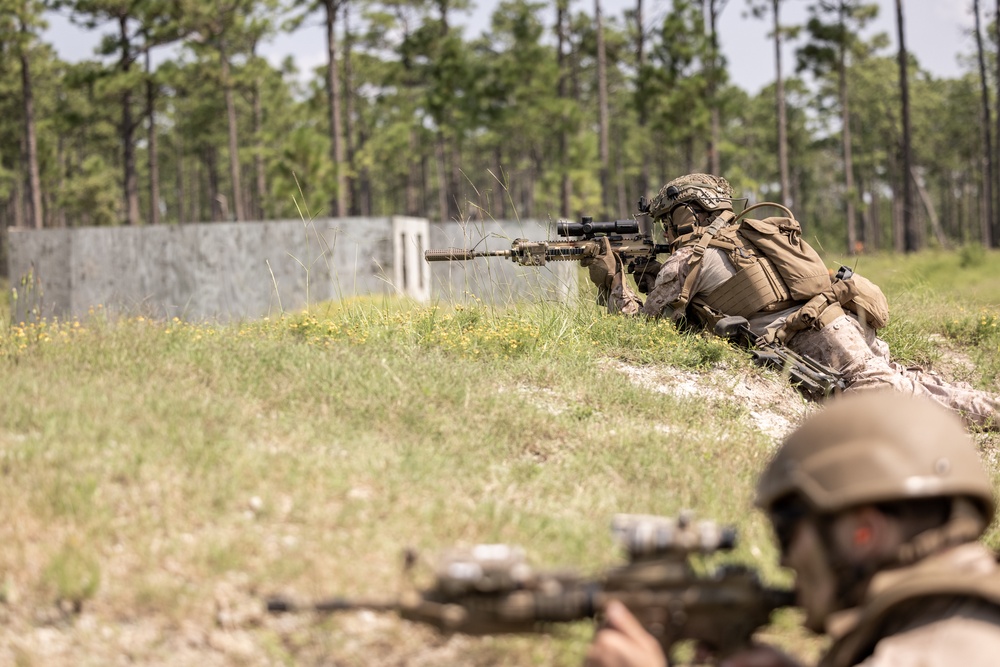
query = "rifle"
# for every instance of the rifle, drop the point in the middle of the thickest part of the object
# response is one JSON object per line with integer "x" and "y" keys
{"x": 582, "y": 240}
{"x": 491, "y": 589}
{"x": 810, "y": 376}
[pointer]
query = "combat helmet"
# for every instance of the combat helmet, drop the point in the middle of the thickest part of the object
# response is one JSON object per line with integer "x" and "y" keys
{"x": 711, "y": 193}
{"x": 876, "y": 448}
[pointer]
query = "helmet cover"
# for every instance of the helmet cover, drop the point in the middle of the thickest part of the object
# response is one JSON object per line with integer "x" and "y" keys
{"x": 712, "y": 193}
{"x": 874, "y": 448}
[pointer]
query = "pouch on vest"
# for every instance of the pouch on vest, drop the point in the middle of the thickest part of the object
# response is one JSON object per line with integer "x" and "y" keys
{"x": 780, "y": 240}
{"x": 753, "y": 288}
{"x": 862, "y": 297}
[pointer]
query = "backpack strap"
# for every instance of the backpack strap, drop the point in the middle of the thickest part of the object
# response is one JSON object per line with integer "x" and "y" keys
{"x": 707, "y": 238}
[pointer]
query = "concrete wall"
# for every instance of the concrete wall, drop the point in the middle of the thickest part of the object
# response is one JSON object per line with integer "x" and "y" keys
{"x": 247, "y": 270}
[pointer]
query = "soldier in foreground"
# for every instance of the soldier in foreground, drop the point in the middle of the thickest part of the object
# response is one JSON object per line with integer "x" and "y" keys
{"x": 877, "y": 503}
{"x": 721, "y": 265}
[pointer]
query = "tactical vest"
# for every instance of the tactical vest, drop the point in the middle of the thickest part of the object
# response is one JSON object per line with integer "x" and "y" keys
{"x": 775, "y": 269}
{"x": 926, "y": 580}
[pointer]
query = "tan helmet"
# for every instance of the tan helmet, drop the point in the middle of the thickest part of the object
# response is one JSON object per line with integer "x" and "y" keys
{"x": 876, "y": 447}
{"x": 712, "y": 193}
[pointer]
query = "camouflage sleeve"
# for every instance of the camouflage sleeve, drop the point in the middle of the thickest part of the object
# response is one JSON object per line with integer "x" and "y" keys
{"x": 622, "y": 299}
{"x": 668, "y": 285}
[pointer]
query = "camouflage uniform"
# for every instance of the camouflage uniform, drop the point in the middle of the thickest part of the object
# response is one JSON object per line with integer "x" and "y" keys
{"x": 944, "y": 610}
{"x": 844, "y": 344}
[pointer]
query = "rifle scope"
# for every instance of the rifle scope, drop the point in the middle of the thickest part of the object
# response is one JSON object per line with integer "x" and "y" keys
{"x": 588, "y": 228}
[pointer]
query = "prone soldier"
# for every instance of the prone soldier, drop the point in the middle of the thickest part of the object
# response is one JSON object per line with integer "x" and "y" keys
{"x": 877, "y": 503}
{"x": 722, "y": 265}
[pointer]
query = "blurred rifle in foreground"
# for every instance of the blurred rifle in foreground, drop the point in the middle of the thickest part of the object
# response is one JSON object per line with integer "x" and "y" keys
{"x": 491, "y": 589}
{"x": 815, "y": 379}
{"x": 582, "y": 239}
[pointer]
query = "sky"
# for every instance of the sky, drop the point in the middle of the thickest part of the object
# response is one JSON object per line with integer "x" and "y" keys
{"x": 937, "y": 31}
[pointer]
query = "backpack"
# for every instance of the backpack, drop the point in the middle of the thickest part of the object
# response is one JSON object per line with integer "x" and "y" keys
{"x": 773, "y": 246}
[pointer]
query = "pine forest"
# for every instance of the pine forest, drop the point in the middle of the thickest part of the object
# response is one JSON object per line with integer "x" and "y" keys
{"x": 555, "y": 110}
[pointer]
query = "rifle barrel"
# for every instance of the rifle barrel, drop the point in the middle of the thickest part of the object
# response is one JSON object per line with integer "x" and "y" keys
{"x": 458, "y": 254}
{"x": 277, "y": 605}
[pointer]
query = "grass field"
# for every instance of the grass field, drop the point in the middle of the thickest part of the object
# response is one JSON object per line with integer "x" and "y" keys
{"x": 160, "y": 478}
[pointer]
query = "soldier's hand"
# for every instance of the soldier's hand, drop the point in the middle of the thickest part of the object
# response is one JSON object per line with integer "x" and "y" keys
{"x": 623, "y": 642}
{"x": 603, "y": 264}
{"x": 760, "y": 655}
{"x": 645, "y": 273}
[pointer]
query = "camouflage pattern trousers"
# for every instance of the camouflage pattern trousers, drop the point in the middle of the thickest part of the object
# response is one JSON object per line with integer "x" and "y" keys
{"x": 864, "y": 361}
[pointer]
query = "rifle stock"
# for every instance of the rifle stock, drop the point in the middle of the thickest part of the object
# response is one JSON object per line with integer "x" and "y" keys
{"x": 812, "y": 377}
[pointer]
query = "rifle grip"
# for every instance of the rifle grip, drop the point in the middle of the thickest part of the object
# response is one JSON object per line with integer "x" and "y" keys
{"x": 448, "y": 255}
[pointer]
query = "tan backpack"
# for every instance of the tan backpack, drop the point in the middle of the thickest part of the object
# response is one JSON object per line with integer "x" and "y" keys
{"x": 780, "y": 240}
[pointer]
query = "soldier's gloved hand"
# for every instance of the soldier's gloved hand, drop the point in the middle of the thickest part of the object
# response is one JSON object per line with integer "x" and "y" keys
{"x": 602, "y": 264}
{"x": 645, "y": 273}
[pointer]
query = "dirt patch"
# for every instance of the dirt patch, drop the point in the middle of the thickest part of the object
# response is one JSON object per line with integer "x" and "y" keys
{"x": 953, "y": 364}
{"x": 772, "y": 406}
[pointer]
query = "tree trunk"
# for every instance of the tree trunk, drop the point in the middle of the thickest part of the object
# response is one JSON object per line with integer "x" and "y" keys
{"x": 60, "y": 212}
{"x": 216, "y": 199}
{"x": 566, "y": 185}
{"x": 845, "y": 119}
{"x": 197, "y": 183}
{"x": 714, "y": 162}
{"x": 234, "y": 151}
{"x": 339, "y": 203}
{"x": 154, "y": 156}
{"x": 995, "y": 235}
{"x": 898, "y": 233}
{"x": 602, "y": 104}
{"x": 128, "y": 134}
{"x": 260, "y": 187}
{"x": 352, "y": 180}
{"x": 986, "y": 218}
{"x": 439, "y": 153}
{"x": 34, "y": 179}
{"x": 913, "y": 236}
{"x": 413, "y": 177}
{"x": 640, "y": 59}
{"x": 779, "y": 94}
{"x": 499, "y": 205}
{"x": 18, "y": 197}
{"x": 931, "y": 212}
{"x": 456, "y": 198}
{"x": 874, "y": 222}
{"x": 181, "y": 178}
{"x": 622, "y": 207}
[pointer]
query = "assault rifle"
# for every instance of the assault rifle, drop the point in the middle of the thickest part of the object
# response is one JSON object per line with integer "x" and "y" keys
{"x": 491, "y": 589}
{"x": 582, "y": 239}
{"x": 810, "y": 376}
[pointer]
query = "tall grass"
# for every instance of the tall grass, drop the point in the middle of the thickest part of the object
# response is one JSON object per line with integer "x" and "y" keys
{"x": 943, "y": 302}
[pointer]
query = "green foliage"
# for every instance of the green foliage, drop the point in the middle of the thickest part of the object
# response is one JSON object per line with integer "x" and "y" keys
{"x": 91, "y": 196}
{"x": 73, "y": 573}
